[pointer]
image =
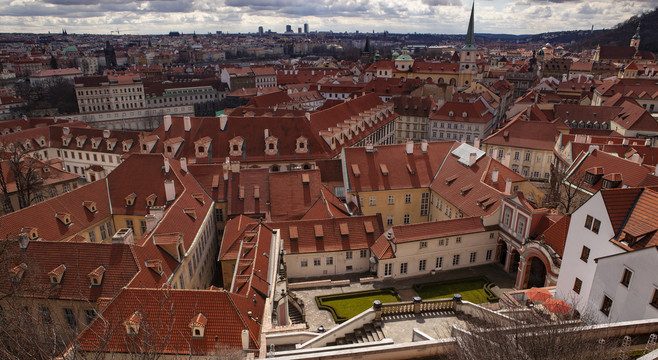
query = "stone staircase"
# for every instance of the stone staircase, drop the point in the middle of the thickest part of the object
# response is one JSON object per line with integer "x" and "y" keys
{"x": 295, "y": 316}
{"x": 367, "y": 333}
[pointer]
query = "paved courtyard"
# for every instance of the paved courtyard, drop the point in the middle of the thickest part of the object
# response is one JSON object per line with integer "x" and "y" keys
{"x": 316, "y": 317}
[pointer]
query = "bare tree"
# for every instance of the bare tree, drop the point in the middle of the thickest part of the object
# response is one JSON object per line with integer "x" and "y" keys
{"x": 533, "y": 335}
{"x": 19, "y": 170}
{"x": 564, "y": 191}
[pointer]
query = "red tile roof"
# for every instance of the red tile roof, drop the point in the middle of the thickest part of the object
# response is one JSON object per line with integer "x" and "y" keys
{"x": 436, "y": 229}
{"x": 632, "y": 174}
{"x": 290, "y": 197}
{"x": 525, "y": 134}
{"x": 164, "y": 320}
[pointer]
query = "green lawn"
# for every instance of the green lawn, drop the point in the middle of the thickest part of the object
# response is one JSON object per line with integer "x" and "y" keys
{"x": 471, "y": 289}
{"x": 347, "y": 305}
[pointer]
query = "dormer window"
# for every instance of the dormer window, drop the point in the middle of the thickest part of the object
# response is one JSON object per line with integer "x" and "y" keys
{"x": 42, "y": 141}
{"x": 451, "y": 113}
{"x": 90, "y": 206}
{"x": 302, "y": 145}
{"x": 155, "y": 265}
{"x": 81, "y": 140}
{"x": 150, "y": 200}
{"x": 64, "y": 218}
{"x": 130, "y": 199}
{"x": 28, "y": 145}
{"x": 271, "y": 145}
{"x": 127, "y": 145}
{"x": 31, "y": 232}
{"x": 96, "y": 276}
{"x": 190, "y": 212}
{"x": 198, "y": 325}
{"x": 464, "y": 115}
{"x": 17, "y": 272}
{"x": 66, "y": 140}
{"x": 111, "y": 143}
{"x": 95, "y": 142}
{"x": 199, "y": 197}
{"x": 235, "y": 146}
{"x": 132, "y": 323}
{"x": 56, "y": 274}
{"x": 202, "y": 147}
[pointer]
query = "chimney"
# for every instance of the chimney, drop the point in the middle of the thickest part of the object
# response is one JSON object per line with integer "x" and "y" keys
{"x": 156, "y": 213}
{"x": 123, "y": 236}
{"x": 506, "y": 160}
{"x": 655, "y": 171}
{"x": 223, "y": 119}
{"x": 592, "y": 148}
{"x": 423, "y": 145}
{"x": 66, "y": 130}
{"x": 564, "y": 77}
{"x": 410, "y": 147}
{"x": 187, "y": 123}
{"x": 308, "y": 116}
{"x": 647, "y": 142}
{"x": 245, "y": 339}
{"x": 170, "y": 190}
{"x": 183, "y": 164}
{"x": 106, "y": 134}
{"x": 24, "y": 239}
{"x": 266, "y": 133}
{"x": 588, "y": 140}
{"x": 235, "y": 167}
{"x": 508, "y": 186}
{"x": 476, "y": 143}
{"x": 625, "y": 142}
{"x": 636, "y": 158}
{"x": 494, "y": 176}
{"x": 472, "y": 158}
{"x": 151, "y": 222}
{"x": 166, "y": 165}
{"x": 167, "y": 122}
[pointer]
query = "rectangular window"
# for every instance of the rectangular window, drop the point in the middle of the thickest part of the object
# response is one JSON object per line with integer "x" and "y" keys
{"x": 588, "y": 222}
{"x": 373, "y": 201}
{"x": 330, "y": 260}
{"x": 389, "y": 220}
{"x": 388, "y": 269}
{"x": 584, "y": 254}
{"x": 424, "y": 204}
{"x": 527, "y": 156}
{"x": 348, "y": 268}
{"x": 363, "y": 253}
{"x": 407, "y": 218}
{"x": 423, "y": 244}
{"x": 348, "y": 255}
{"x": 455, "y": 260}
{"x": 626, "y": 277}
{"x": 317, "y": 262}
{"x": 520, "y": 225}
{"x": 439, "y": 262}
{"x": 500, "y": 154}
{"x": 219, "y": 215}
{"x": 92, "y": 236}
{"x": 403, "y": 268}
{"x": 90, "y": 315}
{"x": 489, "y": 255}
{"x": 517, "y": 155}
{"x": 304, "y": 263}
{"x": 391, "y": 199}
{"x": 142, "y": 225}
{"x": 577, "y": 285}
{"x": 596, "y": 226}
{"x": 129, "y": 224}
{"x": 606, "y": 305}
{"x": 407, "y": 199}
{"x": 70, "y": 318}
{"x": 103, "y": 232}
{"x": 654, "y": 299}
{"x": 422, "y": 264}
{"x": 458, "y": 240}
{"x": 473, "y": 257}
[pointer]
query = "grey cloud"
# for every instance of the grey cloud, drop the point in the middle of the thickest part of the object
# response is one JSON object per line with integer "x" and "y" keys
{"x": 442, "y": 2}
{"x": 322, "y": 8}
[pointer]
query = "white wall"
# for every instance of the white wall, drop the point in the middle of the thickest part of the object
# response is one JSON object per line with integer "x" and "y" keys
{"x": 632, "y": 302}
{"x": 599, "y": 245}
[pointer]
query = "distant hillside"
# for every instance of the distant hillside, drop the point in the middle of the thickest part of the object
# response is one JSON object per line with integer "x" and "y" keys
{"x": 621, "y": 34}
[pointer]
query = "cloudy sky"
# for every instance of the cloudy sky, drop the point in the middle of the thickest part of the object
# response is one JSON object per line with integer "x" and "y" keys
{"x": 400, "y": 16}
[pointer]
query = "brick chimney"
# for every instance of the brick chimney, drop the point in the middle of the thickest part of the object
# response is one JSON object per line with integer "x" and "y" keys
{"x": 508, "y": 186}
{"x": 183, "y": 164}
{"x": 423, "y": 145}
{"x": 167, "y": 122}
{"x": 170, "y": 190}
{"x": 410, "y": 147}
{"x": 476, "y": 143}
{"x": 223, "y": 119}
{"x": 494, "y": 175}
{"x": 187, "y": 122}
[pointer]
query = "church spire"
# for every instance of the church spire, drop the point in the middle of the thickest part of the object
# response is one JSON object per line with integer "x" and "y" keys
{"x": 470, "y": 35}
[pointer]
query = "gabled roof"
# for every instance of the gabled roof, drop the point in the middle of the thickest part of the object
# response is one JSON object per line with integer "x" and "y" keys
{"x": 632, "y": 174}
{"x": 292, "y": 193}
{"x": 525, "y": 134}
{"x": 326, "y": 206}
{"x": 436, "y": 229}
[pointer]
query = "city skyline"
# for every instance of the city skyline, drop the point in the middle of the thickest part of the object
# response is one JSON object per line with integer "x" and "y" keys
{"x": 421, "y": 16}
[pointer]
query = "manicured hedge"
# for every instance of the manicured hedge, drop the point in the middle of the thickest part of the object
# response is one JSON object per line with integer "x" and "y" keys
{"x": 353, "y": 303}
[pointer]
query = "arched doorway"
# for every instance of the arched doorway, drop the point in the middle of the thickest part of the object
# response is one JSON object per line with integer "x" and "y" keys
{"x": 514, "y": 262}
{"x": 537, "y": 273}
{"x": 502, "y": 252}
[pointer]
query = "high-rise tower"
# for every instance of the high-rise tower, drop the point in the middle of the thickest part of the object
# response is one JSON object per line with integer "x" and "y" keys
{"x": 467, "y": 63}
